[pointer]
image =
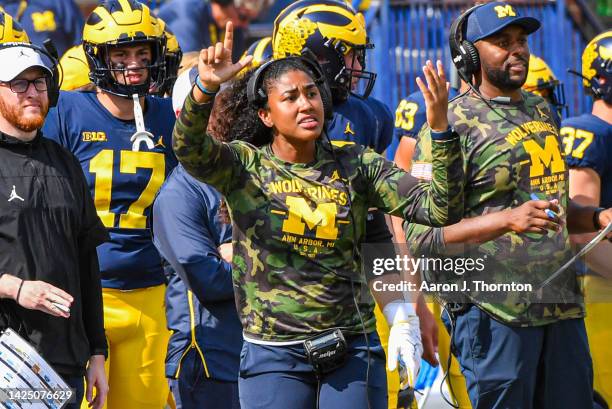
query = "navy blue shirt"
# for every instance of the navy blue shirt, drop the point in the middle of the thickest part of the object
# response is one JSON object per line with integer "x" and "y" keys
{"x": 187, "y": 232}
{"x": 355, "y": 121}
{"x": 123, "y": 178}
{"x": 588, "y": 144}
{"x": 192, "y": 23}
{"x": 59, "y": 20}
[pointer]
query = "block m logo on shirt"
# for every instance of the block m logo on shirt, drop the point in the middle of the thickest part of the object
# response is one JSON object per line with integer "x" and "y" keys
{"x": 547, "y": 157}
{"x": 323, "y": 218}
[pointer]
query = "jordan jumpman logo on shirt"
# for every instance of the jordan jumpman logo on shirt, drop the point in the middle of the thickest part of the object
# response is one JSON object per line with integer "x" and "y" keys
{"x": 14, "y": 195}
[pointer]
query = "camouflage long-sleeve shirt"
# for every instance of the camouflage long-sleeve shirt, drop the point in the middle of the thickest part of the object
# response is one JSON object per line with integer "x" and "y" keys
{"x": 505, "y": 164}
{"x": 295, "y": 229}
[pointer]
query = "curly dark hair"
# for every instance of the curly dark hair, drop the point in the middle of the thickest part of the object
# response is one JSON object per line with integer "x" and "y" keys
{"x": 237, "y": 118}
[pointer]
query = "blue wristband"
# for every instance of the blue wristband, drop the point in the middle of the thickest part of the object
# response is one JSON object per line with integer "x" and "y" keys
{"x": 442, "y": 136}
{"x": 203, "y": 88}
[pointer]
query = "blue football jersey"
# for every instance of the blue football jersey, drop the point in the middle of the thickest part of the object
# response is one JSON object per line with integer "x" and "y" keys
{"x": 410, "y": 115}
{"x": 59, "y": 20}
{"x": 588, "y": 144}
{"x": 123, "y": 178}
{"x": 355, "y": 122}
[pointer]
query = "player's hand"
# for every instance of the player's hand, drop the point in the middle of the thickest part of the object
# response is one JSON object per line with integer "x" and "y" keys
{"x": 42, "y": 296}
{"x": 532, "y": 217}
{"x": 436, "y": 96}
{"x": 226, "y": 251}
{"x": 96, "y": 378}
{"x": 605, "y": 218}
{"x": 215, "y": 65}
{"x": 429, "y": 331}
{"x": 404, "y": 338}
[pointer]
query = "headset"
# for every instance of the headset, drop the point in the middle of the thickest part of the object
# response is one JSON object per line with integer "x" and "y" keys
{"x": 256, "y": 93}
{"x": 463, "y": 52}
{"x": 49, "y": 51}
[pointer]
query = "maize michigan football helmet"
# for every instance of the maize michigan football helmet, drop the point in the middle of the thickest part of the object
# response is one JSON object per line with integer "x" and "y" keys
{"x": 10, "y": 30}
{"x": 331, "y": 30}
{"x": 597, "y": 65}
{"x": 74, "y": 68}
{"x": 173, "y": 58}
{"x": 542, "y": 81}
{"x": 261, "y": 50}
{"x": 123, "y": 23}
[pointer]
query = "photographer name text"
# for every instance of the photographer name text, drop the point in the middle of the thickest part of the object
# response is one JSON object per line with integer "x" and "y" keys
{"x": 464, "y": 286}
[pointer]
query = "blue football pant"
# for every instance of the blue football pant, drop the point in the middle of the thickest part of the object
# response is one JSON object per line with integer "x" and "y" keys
{"x": 274, "y": 377}
{"x": 192, "y": 390}
{"x": 505, "y": 367}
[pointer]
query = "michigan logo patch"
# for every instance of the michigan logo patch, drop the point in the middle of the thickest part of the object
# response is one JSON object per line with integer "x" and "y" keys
{"x": 44, "y": 21}
{"x": 505, "y": 11}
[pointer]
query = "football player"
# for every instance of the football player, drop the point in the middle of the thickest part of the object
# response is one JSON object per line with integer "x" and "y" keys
{"x": 588, "y": 152}
{"x": 338, "y": 38}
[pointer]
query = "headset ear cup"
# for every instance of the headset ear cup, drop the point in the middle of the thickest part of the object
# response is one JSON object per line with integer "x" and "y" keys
{"x": 255, "y": 94}
{"x": 326, "y": 98}
{"x": 464, "y": 53}
{"x": 53, "y": 90}
{"x": 472, "y": 58}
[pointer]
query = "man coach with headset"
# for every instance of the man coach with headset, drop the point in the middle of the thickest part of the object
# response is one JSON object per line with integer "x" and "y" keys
{"x": 516, "y": 350}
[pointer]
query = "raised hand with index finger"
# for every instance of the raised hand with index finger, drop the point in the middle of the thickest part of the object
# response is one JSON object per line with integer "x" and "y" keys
{"x": 215, "y": 66}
